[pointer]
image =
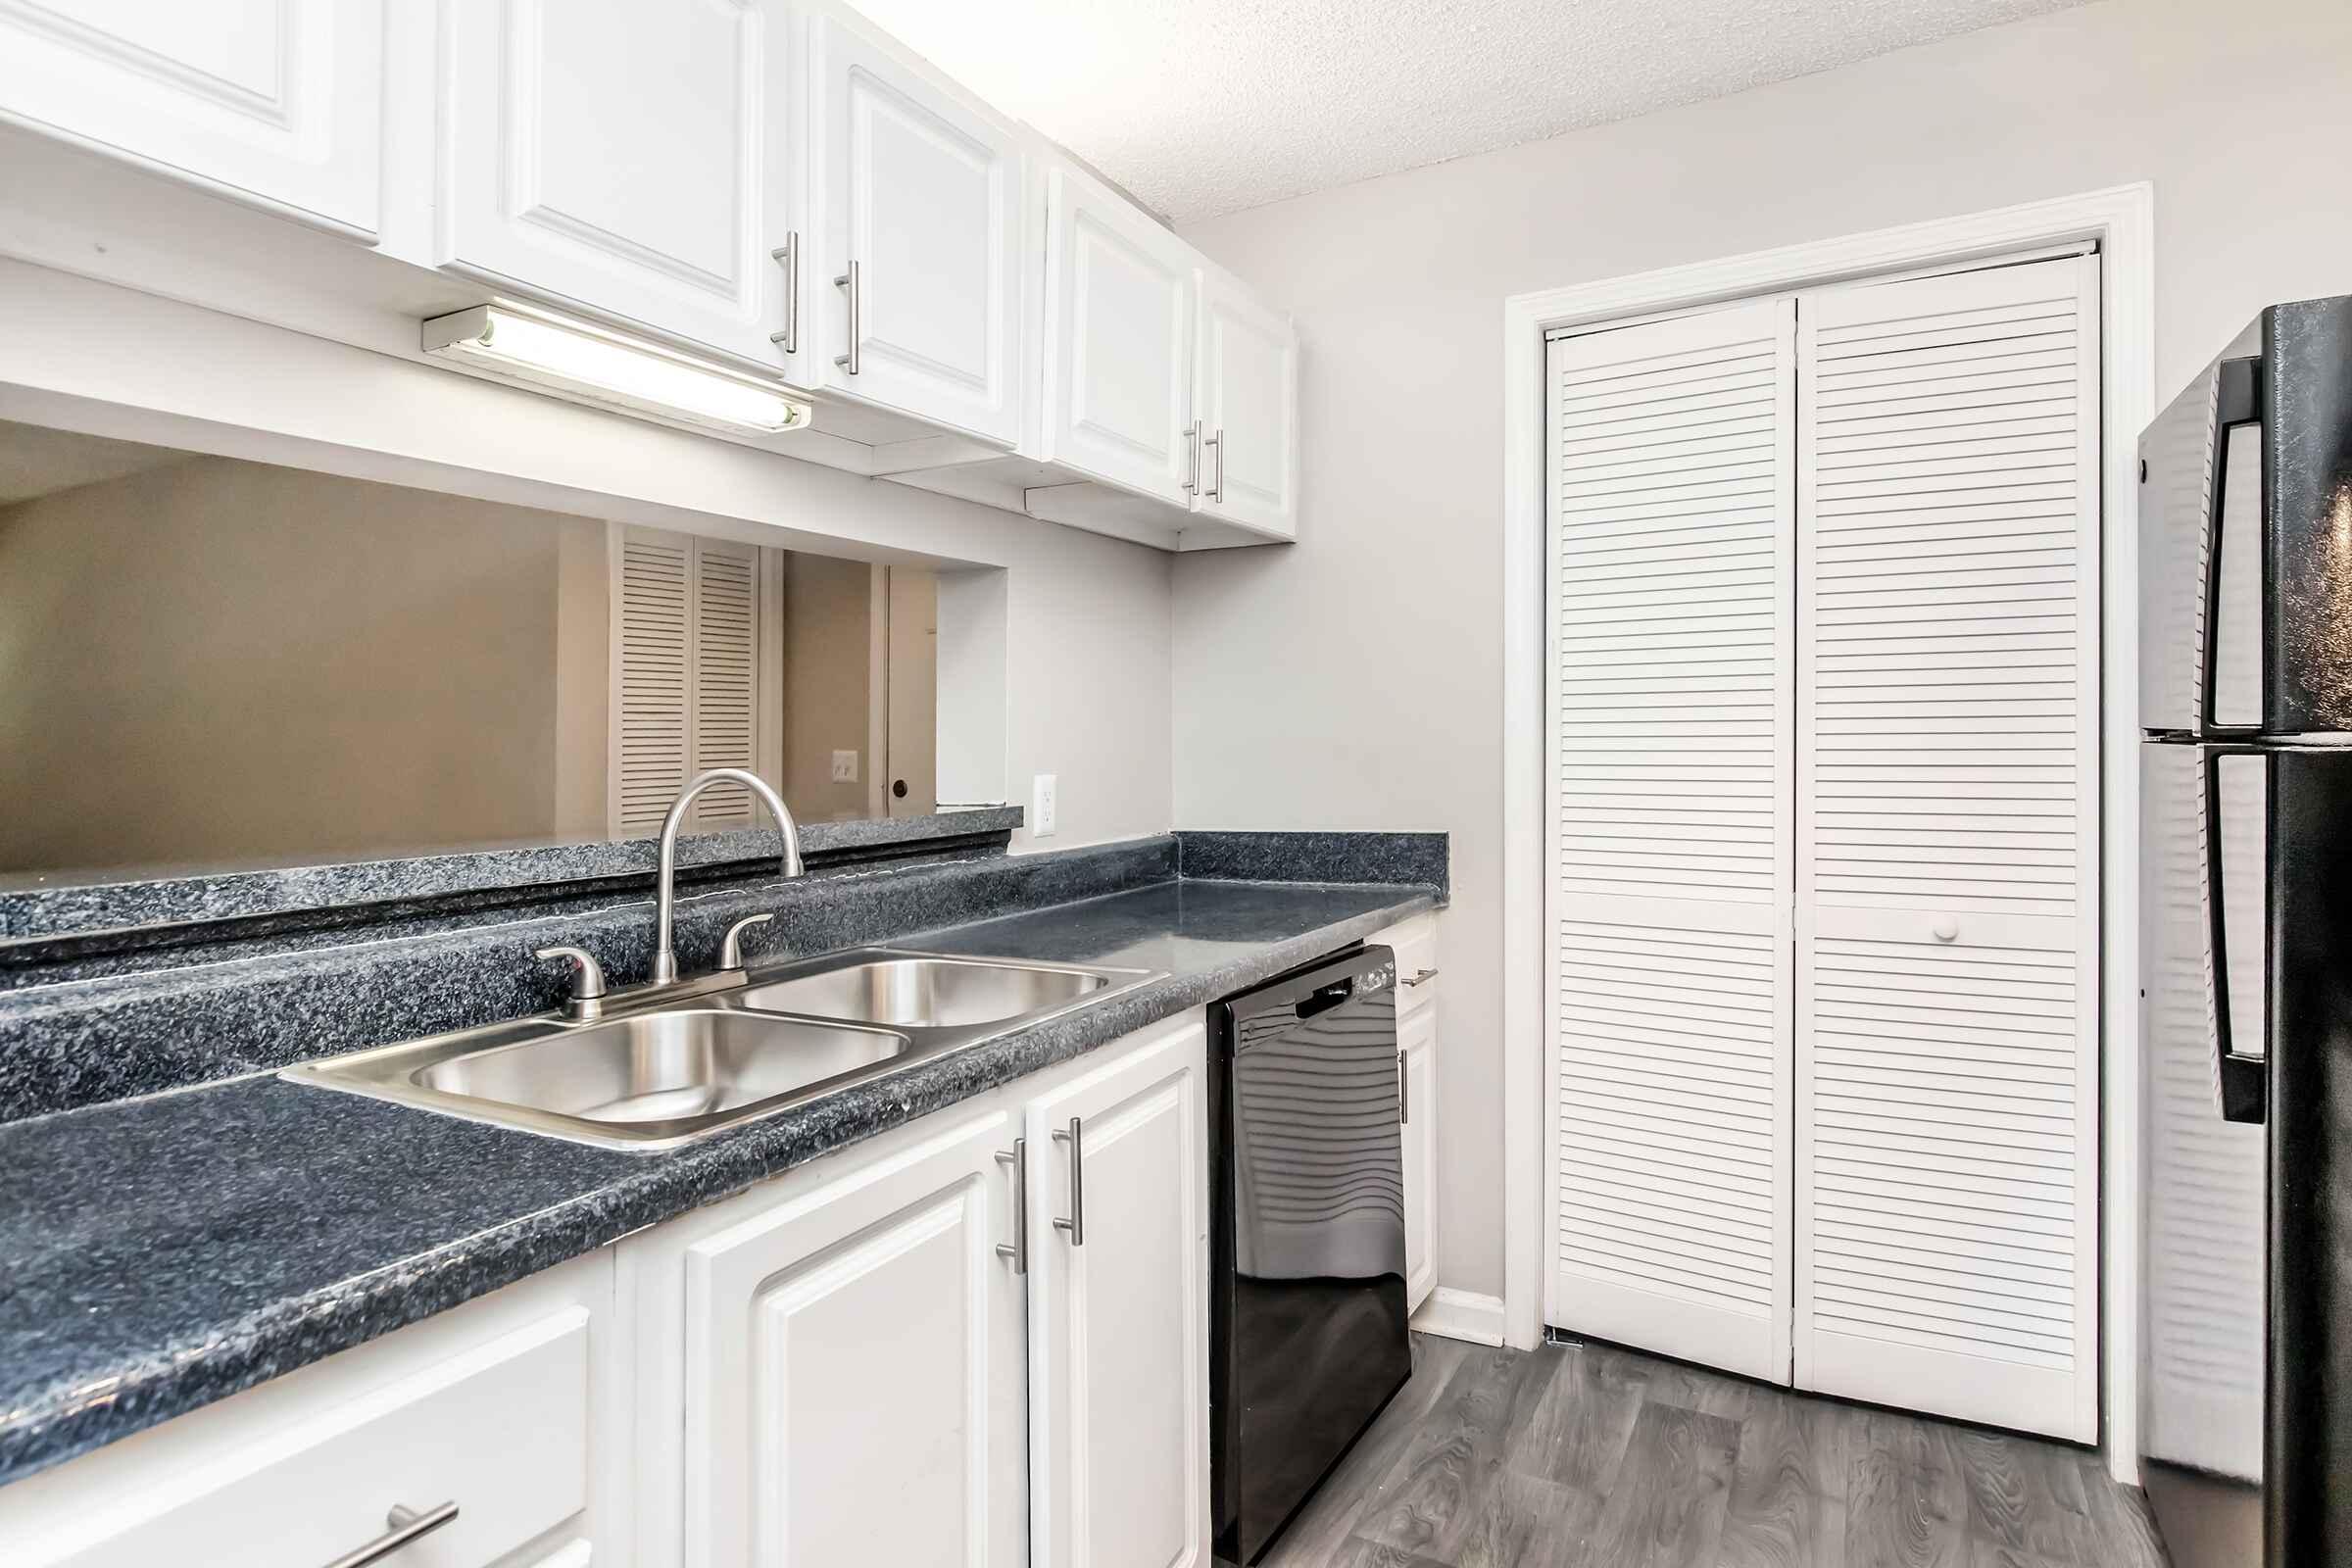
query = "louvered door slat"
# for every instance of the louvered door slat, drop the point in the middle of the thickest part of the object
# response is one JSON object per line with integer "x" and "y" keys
{"x": 726, "y": 670}
{"x": 654, "y": 659}
{"x": 1946, "y": 845}
{"x": 1669, "y": 599}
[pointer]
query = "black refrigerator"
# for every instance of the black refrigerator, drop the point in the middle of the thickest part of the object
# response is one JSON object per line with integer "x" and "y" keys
{"x": 2245, "y": 710}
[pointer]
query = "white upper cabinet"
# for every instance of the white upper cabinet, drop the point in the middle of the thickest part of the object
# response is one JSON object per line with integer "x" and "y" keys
{"x": 915, "y": 203}
{"x": 1247, "y": 399}
{"x": 1120, "y": 328}
{"x": 611, "y": 153}
{"x": 274, "y": 100}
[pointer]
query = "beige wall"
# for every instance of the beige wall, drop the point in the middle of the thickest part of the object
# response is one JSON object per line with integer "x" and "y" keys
{"x": 2239, "y": 114}
{"x": 826, "y": 656}
{"x": 226, "y": 662}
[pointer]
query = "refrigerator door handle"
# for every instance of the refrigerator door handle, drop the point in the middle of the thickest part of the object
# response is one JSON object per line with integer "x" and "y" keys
{"x": 2236, "y": 400}
{"x": 2244, "y": 1080}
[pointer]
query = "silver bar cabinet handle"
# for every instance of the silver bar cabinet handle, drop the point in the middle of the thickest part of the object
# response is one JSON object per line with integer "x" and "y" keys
{"x": 1191, "y": 454}
{"x": 406, "y": 1524}
{"x": 1018, "y": 1251}
{"x": 1404, "y": 1092}
{"x": 1076, "y": 1223}
{"x": 849, "y": 280}
{"x": 788, "y": 257}
{"x": 1216, "y": 489}
{"x": 1423, "y": 978}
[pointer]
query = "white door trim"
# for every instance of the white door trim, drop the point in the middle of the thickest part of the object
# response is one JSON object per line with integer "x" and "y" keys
{"x": 2123, "y": 221}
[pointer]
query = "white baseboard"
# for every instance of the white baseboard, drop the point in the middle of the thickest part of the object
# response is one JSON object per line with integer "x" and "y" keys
{"x": 1461, "y": 1315}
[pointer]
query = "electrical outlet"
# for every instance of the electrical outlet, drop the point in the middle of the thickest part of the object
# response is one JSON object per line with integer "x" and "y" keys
{"x": 845, "y": 768}
{"x": 1042, "y": 802}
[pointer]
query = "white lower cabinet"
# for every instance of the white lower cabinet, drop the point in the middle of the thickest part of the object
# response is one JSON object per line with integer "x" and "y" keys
{"x": 502, "y": 1412}
{"x": 1417, "y": 1046}
{"x": 1118, "y": 1332}
{"x": 870, "y": 1361}
{"x": 879, "y": 1357}
{"x": 1415, "y": 943}
{"x": 852, "y": 1363}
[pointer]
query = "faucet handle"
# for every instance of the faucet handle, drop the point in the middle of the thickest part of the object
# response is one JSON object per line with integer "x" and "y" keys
{"x": 587, "y": 975}
{"x": 731, "y": 947}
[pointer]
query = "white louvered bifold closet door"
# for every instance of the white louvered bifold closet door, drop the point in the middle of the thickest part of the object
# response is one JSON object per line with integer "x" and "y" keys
{"x": 1668, "y": 795}
{"x": 686, "y": 663}
{"x": 1947, "y": 844}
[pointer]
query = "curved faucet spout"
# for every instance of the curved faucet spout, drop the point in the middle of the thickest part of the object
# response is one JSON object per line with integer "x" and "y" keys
{"x": 665, "y": 898}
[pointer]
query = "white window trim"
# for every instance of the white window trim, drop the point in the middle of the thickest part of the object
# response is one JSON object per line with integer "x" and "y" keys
{"x": 2121, "y": 221}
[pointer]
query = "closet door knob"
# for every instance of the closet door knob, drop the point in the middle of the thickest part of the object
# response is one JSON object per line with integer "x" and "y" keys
{"x": 1946, "y": 929}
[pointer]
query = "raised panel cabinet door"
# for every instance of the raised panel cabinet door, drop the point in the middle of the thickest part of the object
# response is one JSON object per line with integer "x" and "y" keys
{"x": 610, "y": 154}
{"x": 1417, "y": 1050}
{"x": 916, "y": 200}
{"x": 853, "y": 1368}
{"x": 1248, "y": 402}
{"x": 1118, "y": 1333}
{"x": 1119, "y": 335}
{"x": 277, "y": 102}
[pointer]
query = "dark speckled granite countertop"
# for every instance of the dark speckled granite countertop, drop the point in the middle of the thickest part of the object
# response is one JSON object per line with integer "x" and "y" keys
{"x": 164, "y": 1252}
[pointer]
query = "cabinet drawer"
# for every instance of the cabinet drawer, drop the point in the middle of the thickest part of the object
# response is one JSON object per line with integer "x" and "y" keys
{"x": 500, "y": 1428}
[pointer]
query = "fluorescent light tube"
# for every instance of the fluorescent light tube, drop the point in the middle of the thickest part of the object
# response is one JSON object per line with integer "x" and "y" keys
{"x": 604, "y": 368}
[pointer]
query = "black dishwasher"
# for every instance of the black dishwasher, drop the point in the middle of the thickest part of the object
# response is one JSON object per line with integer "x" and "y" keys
{"x": 1307, "y": 1336}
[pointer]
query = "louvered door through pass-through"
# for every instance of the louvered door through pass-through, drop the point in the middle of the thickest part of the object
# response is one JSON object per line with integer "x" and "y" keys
{"x": 1947, "y": 839}
{"x": 1669, "y": 787}
{"x": 687, "y": 643}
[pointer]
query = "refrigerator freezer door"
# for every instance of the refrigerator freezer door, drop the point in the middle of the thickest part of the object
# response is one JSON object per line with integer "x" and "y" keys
{"x": 2307, "y": 492}
{"x": 2201, "y": 572}
{"x": 2245, "y": 537}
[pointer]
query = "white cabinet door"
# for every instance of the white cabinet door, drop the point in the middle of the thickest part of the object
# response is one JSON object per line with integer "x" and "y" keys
{"x": 1417, "y": 1048}
{"x": 1947, "y": 846}
{"x": 916, "y": 201}
{"x": 610, "y": 154}
{"x": 274, "y": 100}
{"x": 852, "y": 1368}
{"x": 1118, "y": 1336}
{"x": 1119, "y": 329}
{"x": 1247, "y": 399}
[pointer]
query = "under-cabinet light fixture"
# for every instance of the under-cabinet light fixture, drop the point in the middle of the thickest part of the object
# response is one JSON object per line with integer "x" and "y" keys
{"x": 602, "y": 368}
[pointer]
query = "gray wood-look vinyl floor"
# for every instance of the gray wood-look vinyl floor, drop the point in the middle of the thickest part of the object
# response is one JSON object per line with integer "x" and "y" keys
{"x": 1590, "y": 1456}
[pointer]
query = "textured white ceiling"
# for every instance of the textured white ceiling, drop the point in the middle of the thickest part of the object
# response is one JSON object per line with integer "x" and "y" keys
{"x": 1202, "y": 107}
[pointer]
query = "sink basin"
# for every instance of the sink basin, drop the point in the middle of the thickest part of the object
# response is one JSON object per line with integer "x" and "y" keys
{"x": 927, "y": 993}
{"x": 660, "y": 1068}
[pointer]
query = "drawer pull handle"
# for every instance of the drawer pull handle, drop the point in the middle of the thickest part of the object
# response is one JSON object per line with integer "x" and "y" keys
{"x": 1423, "y": 978}
{"x": 1018, "y": 1251}
{"x": 1946, "y": 929}
{"x": 1076, "y": 1223}
{"x": 407, "y": 1526}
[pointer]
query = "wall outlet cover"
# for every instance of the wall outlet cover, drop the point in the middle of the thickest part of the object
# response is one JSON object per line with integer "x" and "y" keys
{"x": 845, "y": 768}
{"x": 1043, "y": 800}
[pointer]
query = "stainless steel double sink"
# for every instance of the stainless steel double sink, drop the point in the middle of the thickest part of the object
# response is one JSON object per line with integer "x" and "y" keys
{"x": 665, "y": 1067}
